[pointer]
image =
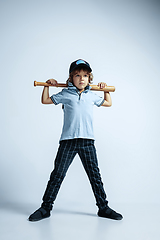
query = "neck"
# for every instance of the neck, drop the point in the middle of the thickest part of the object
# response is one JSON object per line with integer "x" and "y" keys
{"x": 81, "y": 90}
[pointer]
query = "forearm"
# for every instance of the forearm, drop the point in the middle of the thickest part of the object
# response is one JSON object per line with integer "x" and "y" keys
{"x": 107, "y": 100}
{"x": 45, "y": 96}
{"x": 107, "y": 97}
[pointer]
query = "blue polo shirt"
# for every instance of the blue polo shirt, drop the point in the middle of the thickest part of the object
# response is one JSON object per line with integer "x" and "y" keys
{"x": 78, "y": 111}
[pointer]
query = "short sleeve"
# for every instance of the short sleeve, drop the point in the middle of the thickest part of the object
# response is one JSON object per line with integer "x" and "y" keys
{"x": 58, "y": 98}
{"x": 98, "y": 101}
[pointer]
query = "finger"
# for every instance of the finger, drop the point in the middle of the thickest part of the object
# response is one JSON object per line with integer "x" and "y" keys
{"x": 102, "y": 85}
{"x": 48, "y": 81}
{"x": 55, "y": 83}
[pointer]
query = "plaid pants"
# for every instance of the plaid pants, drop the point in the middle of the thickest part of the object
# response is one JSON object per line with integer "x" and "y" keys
{"x": 65, "y": 155}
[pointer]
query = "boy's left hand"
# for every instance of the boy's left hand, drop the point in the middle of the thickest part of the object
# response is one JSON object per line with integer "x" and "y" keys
{"x": 102, "y": 85}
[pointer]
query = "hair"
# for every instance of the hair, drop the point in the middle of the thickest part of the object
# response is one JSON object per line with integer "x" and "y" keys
{"x": 78, "y": 69}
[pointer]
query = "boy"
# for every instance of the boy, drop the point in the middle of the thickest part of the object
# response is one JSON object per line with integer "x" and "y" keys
{"x": 77, "y": 137}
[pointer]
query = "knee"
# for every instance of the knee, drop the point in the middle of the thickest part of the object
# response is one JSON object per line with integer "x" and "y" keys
{"x": 57, "y": 175}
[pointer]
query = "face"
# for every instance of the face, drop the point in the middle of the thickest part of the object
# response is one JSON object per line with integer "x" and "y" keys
{"x": 81, "y": 79}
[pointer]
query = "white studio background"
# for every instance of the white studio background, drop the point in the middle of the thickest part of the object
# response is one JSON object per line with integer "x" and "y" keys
{"x": 120, "y": 39}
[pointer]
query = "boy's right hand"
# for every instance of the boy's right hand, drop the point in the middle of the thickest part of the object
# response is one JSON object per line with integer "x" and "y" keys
{"x": 52, "y": 81}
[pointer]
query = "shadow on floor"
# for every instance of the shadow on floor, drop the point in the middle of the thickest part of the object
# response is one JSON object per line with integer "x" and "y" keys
{"x": 21, "y": 208}
{"x": 27, "y": 209}
{"x": 64, "y": 211}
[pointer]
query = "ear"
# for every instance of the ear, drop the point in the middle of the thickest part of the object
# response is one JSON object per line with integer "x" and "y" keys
{"x": 90, "y": 78}
{"x": 70, "y": 79}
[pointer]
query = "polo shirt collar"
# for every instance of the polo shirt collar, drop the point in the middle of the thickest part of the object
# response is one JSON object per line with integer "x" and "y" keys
{"x": 72, "y": 87}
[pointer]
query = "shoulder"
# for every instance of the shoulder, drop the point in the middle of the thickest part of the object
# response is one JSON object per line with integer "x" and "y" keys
{"x": 96, "y": 99}
{"x": 62, "y": 92}
{"x": 93, "y": 94}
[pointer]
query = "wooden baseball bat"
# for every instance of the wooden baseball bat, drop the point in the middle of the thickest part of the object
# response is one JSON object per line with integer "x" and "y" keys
{"x": 93, "y": 87}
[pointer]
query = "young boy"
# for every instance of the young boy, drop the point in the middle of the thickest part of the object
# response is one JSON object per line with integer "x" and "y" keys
{"x": 77, "y": 137}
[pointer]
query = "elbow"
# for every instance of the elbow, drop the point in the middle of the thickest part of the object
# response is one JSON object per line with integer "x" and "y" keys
{"x": 107, "y": 104}
{"x": 46, "y": 101}
{"x": 110, "y": 104}
{"x": 43, "y": 101}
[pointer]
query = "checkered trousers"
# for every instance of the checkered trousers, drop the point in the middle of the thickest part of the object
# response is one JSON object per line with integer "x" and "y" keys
{"x": 65, "y": 155}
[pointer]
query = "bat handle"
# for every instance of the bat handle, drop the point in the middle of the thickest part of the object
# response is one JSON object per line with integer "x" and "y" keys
{"x": 44, "y": 84}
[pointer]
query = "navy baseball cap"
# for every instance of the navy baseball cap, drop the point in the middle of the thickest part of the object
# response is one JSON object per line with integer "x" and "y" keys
{"x": 78, "y": 63}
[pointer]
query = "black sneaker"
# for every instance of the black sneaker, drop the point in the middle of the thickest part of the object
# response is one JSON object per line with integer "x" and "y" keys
{"x": 109, "y": 213}
{"x": 39, "y": 214}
